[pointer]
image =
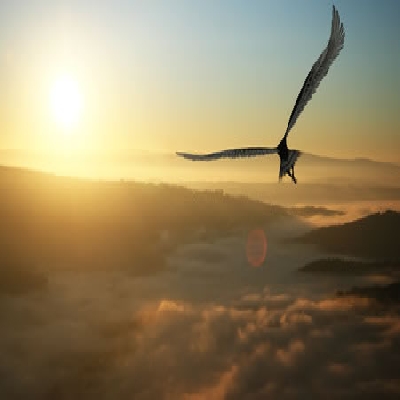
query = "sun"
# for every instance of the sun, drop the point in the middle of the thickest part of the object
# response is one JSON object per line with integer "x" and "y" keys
{"x": 66, "y": 102}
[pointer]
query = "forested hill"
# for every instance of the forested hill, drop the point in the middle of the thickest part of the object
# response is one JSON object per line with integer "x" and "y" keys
{"x": 51, "y": 220}
{"x": 375, "y": 236}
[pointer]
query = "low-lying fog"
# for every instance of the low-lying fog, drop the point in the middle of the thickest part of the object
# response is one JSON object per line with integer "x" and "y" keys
{"x": 209, "y": 326}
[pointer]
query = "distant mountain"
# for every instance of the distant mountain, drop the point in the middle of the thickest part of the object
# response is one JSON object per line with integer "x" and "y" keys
{"x": 375, "y": 236}
{"x": 361, "y": 161}
{"x": 287, "y": 194}
{"x": 338, "y": 266}
{"x": 169, "y": 168}
{"x": 309, "y": 169}
{"x": 358, "y": 170}
{"x": 315, "y": 169}
{"x": 321, "y": 180}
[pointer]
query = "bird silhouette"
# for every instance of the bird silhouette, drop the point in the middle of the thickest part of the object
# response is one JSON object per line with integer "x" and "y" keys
{"x": 289, "y": 157}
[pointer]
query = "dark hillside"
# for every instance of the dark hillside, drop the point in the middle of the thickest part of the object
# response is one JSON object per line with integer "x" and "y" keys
{"x": 375, "y": 236}
{"x": 56, "y": 222}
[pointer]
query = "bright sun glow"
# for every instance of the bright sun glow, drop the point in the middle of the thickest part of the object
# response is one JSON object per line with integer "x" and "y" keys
{"x": 66, "y": 101}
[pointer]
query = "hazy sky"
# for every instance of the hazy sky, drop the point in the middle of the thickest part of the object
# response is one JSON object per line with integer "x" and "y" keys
{"x": 180, "y": 75}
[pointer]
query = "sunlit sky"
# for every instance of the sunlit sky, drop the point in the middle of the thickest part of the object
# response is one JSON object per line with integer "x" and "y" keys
{"x": 198, "y": 76}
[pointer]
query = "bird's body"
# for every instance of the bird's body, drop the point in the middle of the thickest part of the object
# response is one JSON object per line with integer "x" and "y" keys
{"x": 288, "y": 157}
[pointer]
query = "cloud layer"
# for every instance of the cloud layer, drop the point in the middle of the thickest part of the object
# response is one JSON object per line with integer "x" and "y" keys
{"x": 257, "y": 346}
{"x": 210, "y": 326}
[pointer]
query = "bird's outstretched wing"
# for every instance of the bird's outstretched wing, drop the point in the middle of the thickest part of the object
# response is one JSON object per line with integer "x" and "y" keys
{"x": 231, "y": 153}
{"x": 319, "y": 69}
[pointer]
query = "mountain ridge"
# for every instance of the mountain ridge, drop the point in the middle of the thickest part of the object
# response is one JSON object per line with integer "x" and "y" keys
{"x": 375, "y": 236}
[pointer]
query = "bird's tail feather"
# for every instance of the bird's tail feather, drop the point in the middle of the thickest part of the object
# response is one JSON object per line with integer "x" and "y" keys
{"x": 289, "y": 163}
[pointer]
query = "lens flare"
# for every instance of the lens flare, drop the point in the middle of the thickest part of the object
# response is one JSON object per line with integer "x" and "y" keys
{"x": 256, "y": 247}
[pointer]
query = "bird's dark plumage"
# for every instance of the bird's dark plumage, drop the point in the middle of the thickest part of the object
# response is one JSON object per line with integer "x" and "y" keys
{"x": 288, "y": 157}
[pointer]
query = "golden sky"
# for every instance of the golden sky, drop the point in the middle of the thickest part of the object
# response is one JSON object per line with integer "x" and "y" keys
{"x": 195, "y": 77}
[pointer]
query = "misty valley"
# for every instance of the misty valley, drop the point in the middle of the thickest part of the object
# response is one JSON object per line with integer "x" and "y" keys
{"x": 119, "y": 289}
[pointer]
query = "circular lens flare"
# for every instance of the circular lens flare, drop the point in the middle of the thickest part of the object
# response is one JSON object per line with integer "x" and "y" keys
{"x": 256, "y": 247}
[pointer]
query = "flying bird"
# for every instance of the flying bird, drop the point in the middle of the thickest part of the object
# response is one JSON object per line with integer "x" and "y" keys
{"x": 288, "y": 157}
